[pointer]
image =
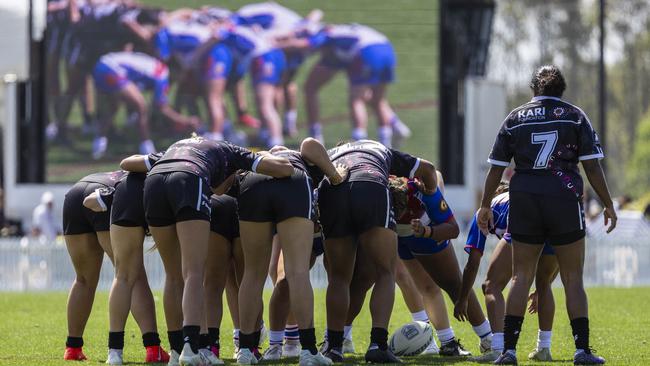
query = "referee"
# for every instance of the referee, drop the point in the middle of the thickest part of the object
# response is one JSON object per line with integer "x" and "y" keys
{"x": 547, "y": 137}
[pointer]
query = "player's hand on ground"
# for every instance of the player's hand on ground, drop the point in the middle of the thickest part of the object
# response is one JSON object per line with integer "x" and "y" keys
{"x": 460, "y": 310}
{"x": 485, "y": 220}
{"x": 341, "y": 174}
{"x": 532, "y": 307}
{"x": 610, "y": 218}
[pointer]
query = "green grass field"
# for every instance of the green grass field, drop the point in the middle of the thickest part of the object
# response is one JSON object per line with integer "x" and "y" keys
{"x": 33, "y": 330}
{"x": 411, "y": 25}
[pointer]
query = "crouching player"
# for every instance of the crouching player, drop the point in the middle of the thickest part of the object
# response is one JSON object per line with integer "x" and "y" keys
{"x": 498, "y": 276}
{"x": 429, "y": 249}
{"x": 123, "y": 76}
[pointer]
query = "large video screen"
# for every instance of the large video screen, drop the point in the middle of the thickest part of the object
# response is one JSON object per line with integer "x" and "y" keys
{"x": 127, "y": 77}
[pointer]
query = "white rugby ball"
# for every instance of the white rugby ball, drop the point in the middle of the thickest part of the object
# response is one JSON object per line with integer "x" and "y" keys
{"x": 411, "y": 339}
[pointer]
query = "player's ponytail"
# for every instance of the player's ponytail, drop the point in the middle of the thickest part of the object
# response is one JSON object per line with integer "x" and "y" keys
{"x": 503, "y": 187}
{"x": 398, "y": 187}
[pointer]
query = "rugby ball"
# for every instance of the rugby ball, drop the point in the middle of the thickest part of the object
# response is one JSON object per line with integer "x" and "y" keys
{"x": 411, "y": 339}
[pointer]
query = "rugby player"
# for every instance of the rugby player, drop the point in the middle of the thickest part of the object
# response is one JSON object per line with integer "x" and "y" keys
{"x": 368, "y": 58}
{"x": 97, "y": 29}
{"x": 499, "y": 274}
{"x": 286, "y": 205}
{"x": 547, "y": 138}
{"x": 177, "y": 209}
{"x": 267, "y": 63}
{"x": 428, "y": 249}
{"x": 86, "y": 224}
{"x": 278, "y": 21}
{"x": 122, "y": 76}
{"x": 359, "y": 210}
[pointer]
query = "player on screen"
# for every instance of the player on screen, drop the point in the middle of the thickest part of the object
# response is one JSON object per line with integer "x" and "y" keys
{"x": 499, "y": 274}
{"x": 278, "y": 21}
{"x": 122, "y": 77}
{"x": 97, "y": 29}
{"x": 368, "y": 58}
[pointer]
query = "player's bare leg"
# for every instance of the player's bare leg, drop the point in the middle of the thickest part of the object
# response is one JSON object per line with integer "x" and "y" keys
{"x": 318, "y": 77}
{"x": 547, "y": 270}
{"x": 358, "y": 111}
{"x": 384, "y": 113}
{"x": 271, "y": 122}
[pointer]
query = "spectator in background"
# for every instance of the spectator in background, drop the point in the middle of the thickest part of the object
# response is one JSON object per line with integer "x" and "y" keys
{"x": 44, "y": 225}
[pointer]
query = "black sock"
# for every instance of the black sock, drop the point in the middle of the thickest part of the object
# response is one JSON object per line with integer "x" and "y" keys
{"x": 308, "y": 340}
{"x": 511, "y": 329}
{"x": 74, "y": 342}
{"x": 580, "y": 330}
{"x": 204, "y": 340}
{"x": 379, "y": 336}
{"x": 151, "y": 339}
{"x": 116, "y": 340}
{"x": 176, "y": 340}
{"x": 247, "y": 340}
{"x": 257, "y": 335}
{"x": 191, "y": 336}
{"x": 213, "y": 333}
{"x": 335, "y": 338}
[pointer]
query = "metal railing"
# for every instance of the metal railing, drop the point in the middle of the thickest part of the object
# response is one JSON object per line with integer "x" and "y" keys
{"x": 29, "y": 266}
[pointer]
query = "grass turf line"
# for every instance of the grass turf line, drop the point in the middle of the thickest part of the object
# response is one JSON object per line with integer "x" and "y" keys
{"x": 33, "y": 329}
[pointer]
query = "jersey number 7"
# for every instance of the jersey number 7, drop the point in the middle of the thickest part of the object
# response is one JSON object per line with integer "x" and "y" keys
{"x": 548, "y": 141}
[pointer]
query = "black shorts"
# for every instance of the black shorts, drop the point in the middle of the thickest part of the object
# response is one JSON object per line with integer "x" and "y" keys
{"x": 266, "y": 199}
{"x": 352, "y": 208}
{"x": 78, "y": 219}
{"x": 539, "y": 219}
{"x": 224, "y": 219}
{"x": 128, "y": 206}
{"x": 174, "y": 197}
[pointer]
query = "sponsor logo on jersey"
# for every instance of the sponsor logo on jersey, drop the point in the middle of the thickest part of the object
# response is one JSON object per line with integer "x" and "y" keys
{"x": 532, "y": 114}
{"x": 558, "y": 112}
{"x": 443, "y": 206}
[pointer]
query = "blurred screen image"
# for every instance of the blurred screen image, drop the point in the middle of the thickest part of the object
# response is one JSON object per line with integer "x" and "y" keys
{"x": 126, "y": 77}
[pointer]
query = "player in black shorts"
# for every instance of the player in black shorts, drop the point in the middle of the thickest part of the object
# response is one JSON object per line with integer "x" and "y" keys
{"x": 360, "y": 210}
{"x": 224, "y": 255}
{"x": 288, "y": 206}
{"x": 130, "y": 285}
{"x": 87, "y": 238}
{"x": 177, "y": 208}
{"x": 547, "y": 137}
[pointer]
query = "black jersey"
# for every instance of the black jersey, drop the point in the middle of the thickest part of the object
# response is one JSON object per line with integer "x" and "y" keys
{"x": 109, "y": 179}
{"x": 211, "y": 160}
{"x": 370, "y": 161}
{"x": 547, "y": 137}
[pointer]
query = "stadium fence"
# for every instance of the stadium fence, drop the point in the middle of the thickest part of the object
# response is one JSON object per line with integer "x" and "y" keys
{"x": 27, "y": 265}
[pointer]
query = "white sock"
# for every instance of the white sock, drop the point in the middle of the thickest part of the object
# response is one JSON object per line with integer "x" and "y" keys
{"x": 347, "y": 332}
{"x": 359, "y": 134}
{"x": 385, "y": 135}
{"x": 147, "y": 147}
{"x": 316, "y": 130}
{"x": 445, "y": 335}
{"x": 276, "y": 141}
{"x": 290, "y": 118}
{"x": 215, "y": 136}
{"x": 276, "y": 337}
{"x": 420, "y": 316}
{"x": 235, "y": 337}
{"x": 483, "y": 330}
{"x": 544, "y": 338}
{"x": 497, "y": 342}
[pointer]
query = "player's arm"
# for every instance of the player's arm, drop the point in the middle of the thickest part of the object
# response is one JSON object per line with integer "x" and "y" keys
{"x": 274, "y": 166}
{"x": 596, "y": 177}
{"x": 445, "y": 226}
{"x": 313, "y": 152}
{"x": 178, "y": 119}
{"x": 469, "y": 277}
{"x": 492, "y": 180}
{"x": 99, "y": 200}
{"x": 426, "y": 172}
{"x": 140, "y": 163}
